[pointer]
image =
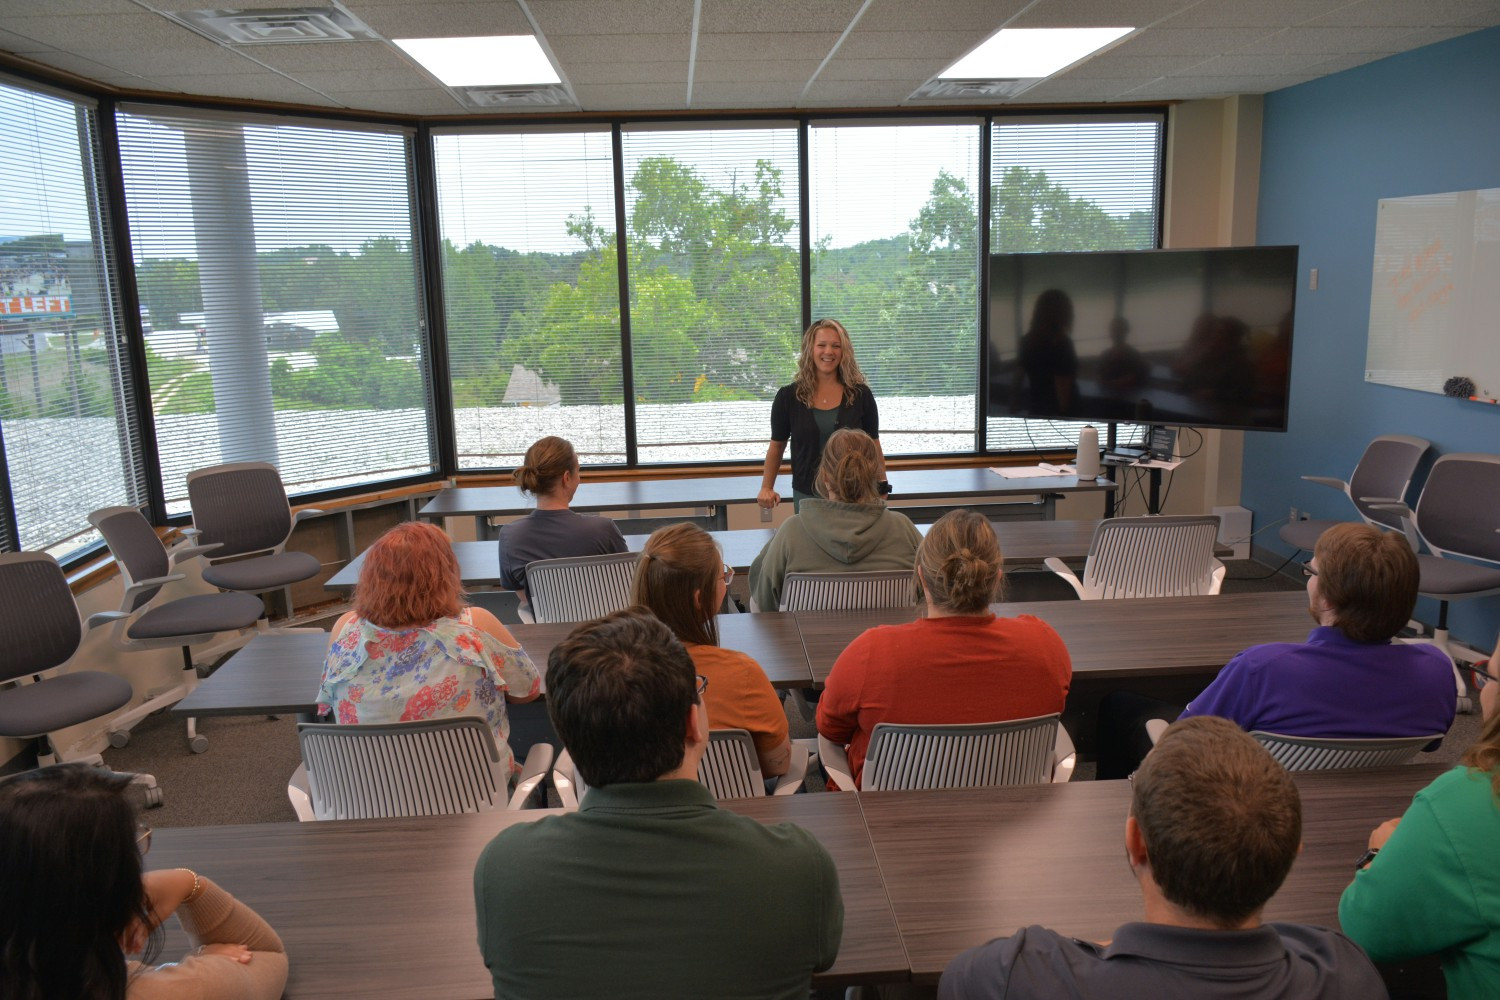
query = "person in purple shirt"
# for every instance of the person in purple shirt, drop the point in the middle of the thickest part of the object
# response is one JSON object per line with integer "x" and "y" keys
{"x": 1347, "y": 681}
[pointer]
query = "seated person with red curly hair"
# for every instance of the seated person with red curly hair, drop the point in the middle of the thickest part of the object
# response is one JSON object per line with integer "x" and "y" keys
{"x": 410, "y": 649}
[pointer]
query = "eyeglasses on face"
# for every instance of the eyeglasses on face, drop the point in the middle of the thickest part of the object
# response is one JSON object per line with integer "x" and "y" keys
{"x": 728, "y": 572}
{"x": 142, "y": 838}
{"x": 702, "y": 684}
{"x": 1309, "y": 570}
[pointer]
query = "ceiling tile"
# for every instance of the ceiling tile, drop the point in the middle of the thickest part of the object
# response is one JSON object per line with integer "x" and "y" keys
{"x": 858, "y": 93}
{"x": 589, "y": 73}
{"x": 364, "y": 79}
{"x": 1338, "y": 64}
{"x": 947, "y": 45}
{"x": 919, "y": 70}
{"x": 263, "y": 87}
{"x": 1094, "y": 14}
{"x": 1398, "y": 13}
{"x": 792, "y": 71}
{"x": 1257, "y": 64}
{"x": 91, "y": 69}
{"x": 1419, "y": 37}
{"x": 100, "y": 31}
{"x": 1113, "y": 66}
{"x": 1190, "y": 41}
{"x": 447, "y": 20}
{"x": 784, "y": 45}
{"x": 612, "y": 17}
{"x": 20, "y": 44}
{"x": 1257, "y": 14}
{"x": 978, "y": 17}
{"x": 1068, "y": 89}
{"x": 776, "y": 15}
{"x": 1330, "y": 41}
{"x": 293, "y": 57}
{"x": 11, "y": 8}
{"x": 633, "y": 97}
{"x": 206, "y": 60}
{"x": 574, "y": 49}
{"x": 764, "y": 93}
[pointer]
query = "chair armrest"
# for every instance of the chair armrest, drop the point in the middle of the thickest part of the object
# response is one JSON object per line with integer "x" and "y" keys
{"x": 524, "y": 612}
{"x": 184, "y": 553}
{"x": 156, "y": 581}
{"x": 1065, "y": 756}
{"x": 836, "y": 762}
{"x": 562, "y": 781}
{"x": 1217, "y": 583}
{"x": 1329, "y": 481}
{"x": 104, "y": 618}
{"x": 796, "y": 772}
{"x": 533, "y": 773}
{"x": 299, "y": 795}
{"x": 303, "y": 515}
{"x": 1154, "y": 729}
{"x": 1059, "y": 567}
{"x": 1408, "y": 526}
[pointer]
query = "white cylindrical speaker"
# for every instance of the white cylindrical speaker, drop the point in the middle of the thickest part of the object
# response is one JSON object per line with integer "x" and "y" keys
{"x": 1087, "y": 462}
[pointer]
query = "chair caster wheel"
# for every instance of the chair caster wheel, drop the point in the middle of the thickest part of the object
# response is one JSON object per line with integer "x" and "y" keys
{"x": 198, "y": 744}
{"x": 152, "y": 797}
{"x": 119, "y": 739}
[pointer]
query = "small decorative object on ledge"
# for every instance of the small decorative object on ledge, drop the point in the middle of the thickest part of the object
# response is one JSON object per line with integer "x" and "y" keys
{"x": 1459, "y": 387}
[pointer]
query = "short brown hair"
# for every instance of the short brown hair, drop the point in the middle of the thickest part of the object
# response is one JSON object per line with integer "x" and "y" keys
{"x": 680, "y": 563}
{"x": 1222, "y": 821}
{"x": 1369, "y": 578}
{"x": 547, "y": 461}
{"x": 850, "y": 468}
{"x": 619, "y": 689}
{"x": 960, "y": 563}
{"x": 409, "y": 577}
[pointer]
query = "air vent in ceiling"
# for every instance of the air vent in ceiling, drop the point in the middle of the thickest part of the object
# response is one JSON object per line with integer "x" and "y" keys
{"x": 973, "y": 90}
{"x": 544, "y": 95}
{"x": 263, "y": 27}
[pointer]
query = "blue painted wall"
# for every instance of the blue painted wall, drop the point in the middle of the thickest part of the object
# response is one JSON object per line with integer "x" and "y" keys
{"x": 1416, "y": 123}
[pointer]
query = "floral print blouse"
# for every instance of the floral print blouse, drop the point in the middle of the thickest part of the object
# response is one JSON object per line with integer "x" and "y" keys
{"x": 450, "y": 667}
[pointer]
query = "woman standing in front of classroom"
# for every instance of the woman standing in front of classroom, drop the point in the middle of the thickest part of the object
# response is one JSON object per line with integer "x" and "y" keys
{"x": 828, "y": 393}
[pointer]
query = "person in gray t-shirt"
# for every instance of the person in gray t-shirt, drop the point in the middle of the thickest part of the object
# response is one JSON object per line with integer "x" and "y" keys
{"x": 552, "y": 531}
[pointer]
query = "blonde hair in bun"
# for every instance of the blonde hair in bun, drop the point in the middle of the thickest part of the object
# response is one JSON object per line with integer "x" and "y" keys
{"x": 960, "y": 562}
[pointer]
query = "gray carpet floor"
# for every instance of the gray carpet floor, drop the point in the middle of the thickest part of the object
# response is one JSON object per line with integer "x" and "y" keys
{"x": 242, "y": 777}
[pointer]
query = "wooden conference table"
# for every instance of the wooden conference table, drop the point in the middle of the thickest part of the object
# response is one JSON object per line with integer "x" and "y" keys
{"x": 1023, "y": 543}
{"x": 1163, "y": 647}
{"x": 482, "y": 502}
{"x": 924, "y": 875}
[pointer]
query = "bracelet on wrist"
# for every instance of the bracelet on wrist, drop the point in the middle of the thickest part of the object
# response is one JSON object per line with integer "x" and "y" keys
{"x": 197, "y": 889}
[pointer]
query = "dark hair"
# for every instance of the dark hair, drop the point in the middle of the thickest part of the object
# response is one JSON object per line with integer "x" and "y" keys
{"x": 1369, "y": 578}
{"x": 1051, "y": 315}
{"x": 619, "y": 690}
{"x": 960, "y": 561}
{"x": 677, "y": 580}
{"x": 547, "y": 461}
{"x": 1221, "y": 819}
{"x": 72, "y": 877}
{"x": 849, "y": 470}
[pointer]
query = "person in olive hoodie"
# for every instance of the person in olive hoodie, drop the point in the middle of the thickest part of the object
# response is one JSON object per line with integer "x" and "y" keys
{"x": 849, "y": 529}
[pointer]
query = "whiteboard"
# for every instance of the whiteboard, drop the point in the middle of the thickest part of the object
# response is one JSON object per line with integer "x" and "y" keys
{"x": 1435, "y": 298}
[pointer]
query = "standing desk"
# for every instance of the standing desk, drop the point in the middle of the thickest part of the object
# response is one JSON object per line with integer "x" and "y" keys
{"x": 964, "y": 866}
{"x": 716, "y": 493}
{"x": 400, "y": 923}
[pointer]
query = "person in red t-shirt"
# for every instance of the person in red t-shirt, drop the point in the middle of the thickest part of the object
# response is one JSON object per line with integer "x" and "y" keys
{"x": 959, "y": 664}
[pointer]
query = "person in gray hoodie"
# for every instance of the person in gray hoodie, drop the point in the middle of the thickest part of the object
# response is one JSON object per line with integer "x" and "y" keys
{"x": 849, "y": 529}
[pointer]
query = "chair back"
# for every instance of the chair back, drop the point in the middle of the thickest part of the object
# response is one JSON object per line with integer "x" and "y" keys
{"x": 1019, "y": 752}
{"x": 426, "y": 768}
{"x": 1458, "y": 512}
{"x": 242, "y": 507}
{"x": 1305, "y": 753}
{"x": 855, "y": 591}
{"x": 1153, "y": 557}
{"x": 578, "y": 588}
{"x": 137, "y": 550}
{"x": 1384, "y": 472}
{"x": 730, "y": 768}
{"x": 39, "y": 624}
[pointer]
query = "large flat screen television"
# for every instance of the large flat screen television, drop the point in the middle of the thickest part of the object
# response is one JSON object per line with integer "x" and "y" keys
{"x": 1181, "y": 337}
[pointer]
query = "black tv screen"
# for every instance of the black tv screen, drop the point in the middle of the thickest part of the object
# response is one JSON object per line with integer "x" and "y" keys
{"x": 1183, "y": 337}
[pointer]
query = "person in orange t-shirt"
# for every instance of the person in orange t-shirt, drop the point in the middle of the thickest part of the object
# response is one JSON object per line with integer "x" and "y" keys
{"x": 682, "y": 580}
{"x": 959, "y": 664}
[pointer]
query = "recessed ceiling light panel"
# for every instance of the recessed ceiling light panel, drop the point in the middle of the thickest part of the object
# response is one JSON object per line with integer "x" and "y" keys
{"x": 264, "y": 26}
{"x": 1034, "y": 53}
{"x": 488, "y": 61}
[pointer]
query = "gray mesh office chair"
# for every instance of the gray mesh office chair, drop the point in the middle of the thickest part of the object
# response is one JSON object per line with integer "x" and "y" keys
{"x": 854, "y": 591}
{"x": 1018, "y": 752}
{"x": 578, "y": 588}
{"x": 430, "y": 767}
{"x": 730, "y": 768}
{"x": 1382, "y": 476}
{"x": 1458, "y": 514}
{"x": 1304, "y": 753}
{"x": 146, "y": 621}
{"x": 241, "y": 509}
{"x": 1148, "y": 557}
{"x": 39, "y": 632}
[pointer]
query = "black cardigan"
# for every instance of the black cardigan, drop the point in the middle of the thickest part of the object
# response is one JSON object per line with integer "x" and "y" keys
{"x": 795, "y": 420}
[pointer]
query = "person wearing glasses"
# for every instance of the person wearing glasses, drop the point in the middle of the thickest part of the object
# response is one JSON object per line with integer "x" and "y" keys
{"x": 682, "y": 580}
{"x": 1347, "y": 681}
{"x": 1214, "y": 826}
{"x": 649, "y": 889}
{"x": 828, "y": 393}
{"x": 1428, "y": 884}
{"x": 77, "y": 903}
